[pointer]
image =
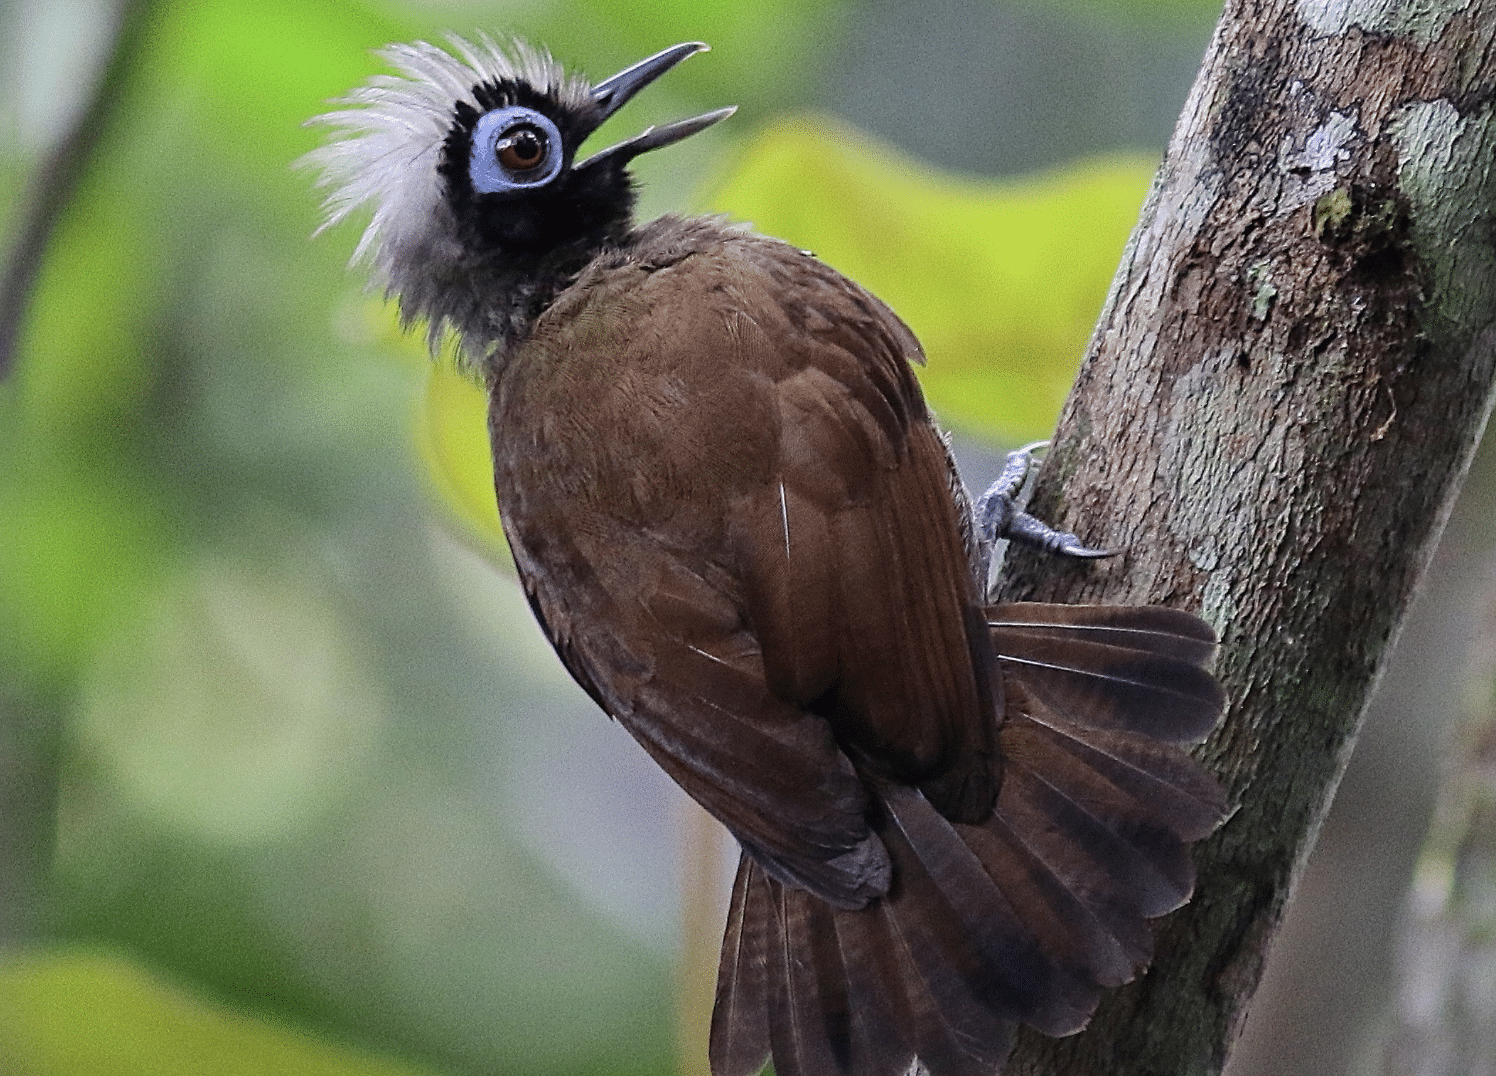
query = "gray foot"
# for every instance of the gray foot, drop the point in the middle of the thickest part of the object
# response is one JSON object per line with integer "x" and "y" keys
{"x": 998, "y": 514}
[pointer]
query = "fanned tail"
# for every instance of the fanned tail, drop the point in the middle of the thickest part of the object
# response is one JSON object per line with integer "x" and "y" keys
{"x": 1023, "y": 918}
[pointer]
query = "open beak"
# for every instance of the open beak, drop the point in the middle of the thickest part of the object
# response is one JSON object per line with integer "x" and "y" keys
{"x": 612, "y": 94}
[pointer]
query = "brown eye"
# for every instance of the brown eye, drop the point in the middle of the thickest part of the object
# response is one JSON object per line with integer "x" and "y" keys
{"x": 514, "y": 149}
{"x": 521, "y": 149}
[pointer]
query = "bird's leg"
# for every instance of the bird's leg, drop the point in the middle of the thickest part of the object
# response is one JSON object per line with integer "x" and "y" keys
{"x": 998, "y": 514}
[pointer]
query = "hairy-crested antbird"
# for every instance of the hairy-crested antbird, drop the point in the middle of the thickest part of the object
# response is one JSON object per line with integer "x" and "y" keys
{"x": 738, "y": 525}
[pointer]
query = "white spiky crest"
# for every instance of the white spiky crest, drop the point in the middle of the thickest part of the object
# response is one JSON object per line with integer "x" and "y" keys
{"x": 389, "y": 142}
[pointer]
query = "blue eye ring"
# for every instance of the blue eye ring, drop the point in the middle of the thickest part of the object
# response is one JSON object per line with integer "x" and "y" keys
{"x": 513, "y": 134}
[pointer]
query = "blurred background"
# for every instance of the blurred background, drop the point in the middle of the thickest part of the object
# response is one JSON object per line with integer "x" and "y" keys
{"x": 289, "y": 781}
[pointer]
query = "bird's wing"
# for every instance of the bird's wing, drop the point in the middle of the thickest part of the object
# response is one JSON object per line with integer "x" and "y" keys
{"x": 856, "y": 573}
{"x": 684, "y": 675}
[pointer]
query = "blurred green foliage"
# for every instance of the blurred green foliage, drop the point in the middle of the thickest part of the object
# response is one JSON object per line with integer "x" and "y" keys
{"x": 80, "y": 1013}
{"x": 307, "y": 755}
{"x": 1163, "y": 13}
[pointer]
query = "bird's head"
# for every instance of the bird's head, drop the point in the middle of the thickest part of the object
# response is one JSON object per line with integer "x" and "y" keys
{"x": 469, "y": 159}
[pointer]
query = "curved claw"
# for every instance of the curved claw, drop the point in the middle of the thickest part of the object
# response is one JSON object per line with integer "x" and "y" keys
{"x": 1025, "y": 528}
{"x": 998, "y": 515}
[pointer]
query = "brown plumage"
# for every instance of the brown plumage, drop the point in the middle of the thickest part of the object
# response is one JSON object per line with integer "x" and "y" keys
{"x": 742, "y": 532}
{"x": 769, "y": 584}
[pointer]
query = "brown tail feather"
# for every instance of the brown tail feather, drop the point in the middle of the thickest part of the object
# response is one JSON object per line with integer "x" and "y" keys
{"x": 1107, "y": 870}
{"x": 1022, "y": 918}
{"x": 740, "y": 1015}
{"x": 984, "y": 966}
{"x": 1171, "y": 632}
{"x": 875, "y": 973}
{"x": 1130, "y": 669}
{"x": 1121, "y": 775}
{"x": 810, "y": 1009}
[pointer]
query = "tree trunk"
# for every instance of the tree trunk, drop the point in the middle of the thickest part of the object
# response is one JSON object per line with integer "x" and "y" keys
{"x": 1286, "y": 386}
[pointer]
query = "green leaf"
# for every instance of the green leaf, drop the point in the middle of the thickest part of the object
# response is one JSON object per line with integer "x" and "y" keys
{"x": 68, "y": 1012}
{"x": 187, "y": 201}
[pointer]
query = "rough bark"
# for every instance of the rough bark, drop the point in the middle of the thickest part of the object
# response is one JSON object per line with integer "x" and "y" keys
{"x": 1285, "y": 389}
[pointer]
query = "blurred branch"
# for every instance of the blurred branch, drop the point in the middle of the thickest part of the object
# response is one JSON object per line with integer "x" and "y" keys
{"x": 705, "y": 849}
{"x": 30, "y": 762}
{"x": 1445, "y": 1018}
{"x": 31, "y": 732}
{"x": 1286, "y": 388}
{"x": 52, "y": 184}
